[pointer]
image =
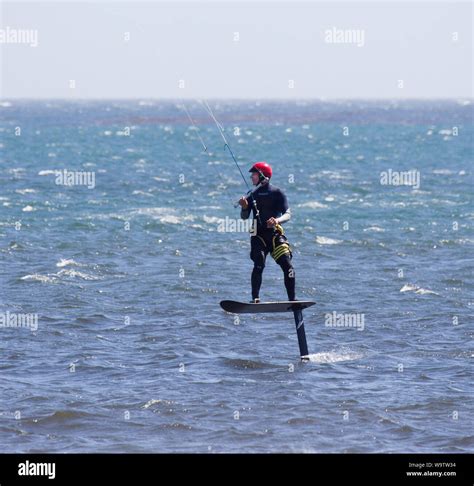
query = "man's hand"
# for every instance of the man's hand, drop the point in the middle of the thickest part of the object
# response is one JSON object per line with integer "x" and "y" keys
{"x": 243, "y": 202}
{"x": 271, "y": 222}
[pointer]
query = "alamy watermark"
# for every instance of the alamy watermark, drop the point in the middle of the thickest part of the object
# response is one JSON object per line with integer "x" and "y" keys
{"x": 9, "y": 35}
{"x": 400, "y": 178}
{"x": 28, "y": 468}
{"x": 230, "y": 225}
{"x": 66, "y": 177}
{"x": 12, "y": 319}
{"x": 345, "y": 36}
{"x": 341, "y": 319}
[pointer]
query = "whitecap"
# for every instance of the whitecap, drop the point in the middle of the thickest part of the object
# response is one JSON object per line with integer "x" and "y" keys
{"x": 155, "y": 401}
{"x": 170, "y": 219}
{"x": 25, "y": 191}
{"x": 334, "y": 356}
{"x": 211, "y": 219}
{"x": 313, "y": 205}
{"x": 460, "y": 241}
{"x": 408, "y": 288}
{"x": 322, "y": 240}
{"x": 442, "y": 171}
{"x": 333, "y": 174}
{"x": 158, "y": 211}
{"x": 425, "y": 291}
{"x": 416, "y": 289}
{"x": 27, "y": 209}
{"x": 377, "y": 229}
{"x": 164, "y": 215}
{"x": 47, "y": 172}
{"x": 74, "y": 274}
{"x": 65, "y": 262}
{"x": 39, "y": 278}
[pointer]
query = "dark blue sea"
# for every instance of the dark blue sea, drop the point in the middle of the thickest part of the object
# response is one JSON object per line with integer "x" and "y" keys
{"x": 123, "y": 268}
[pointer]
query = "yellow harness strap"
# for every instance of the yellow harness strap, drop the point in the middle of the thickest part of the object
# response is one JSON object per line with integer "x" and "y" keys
{"x": 283, "y": 249}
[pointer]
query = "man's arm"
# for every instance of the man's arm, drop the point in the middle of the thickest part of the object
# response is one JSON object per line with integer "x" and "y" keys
{"x": 284, "y": 209}
{"x": 284, "y": 217}
{"x": 245, "y": 208}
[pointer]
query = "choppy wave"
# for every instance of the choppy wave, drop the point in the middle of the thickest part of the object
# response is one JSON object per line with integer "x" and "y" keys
{"x": 375, "y": 229}
{"x": 141, "y": 193}
{"x": 165, "y": 215}
{"x": 40, "y": 278}
{"x": 66, "y": 262}
{"x": 323, "y": 240}
{"x": 61, "y": 417}
{"x": 47, "y": 172}
{"x": 25, "y": 191}
{"x": 157, "y": 402}
{"x": 212, "y": 219}
{"x": 313, "y": 205}
{"x": 56, "y": 277}
{"x": 332, "y": 174}
{"x": 75, "y": 274}
{"x": 416, "y": 289}
{"x": 245, "y": 363}
{"x": 334, "y": 356}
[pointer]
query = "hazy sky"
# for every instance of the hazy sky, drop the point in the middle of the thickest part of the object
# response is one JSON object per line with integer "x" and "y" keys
{"x": 237, "y": 49}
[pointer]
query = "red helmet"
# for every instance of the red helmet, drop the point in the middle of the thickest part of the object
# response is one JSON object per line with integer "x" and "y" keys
{"x": 262, "y": 168}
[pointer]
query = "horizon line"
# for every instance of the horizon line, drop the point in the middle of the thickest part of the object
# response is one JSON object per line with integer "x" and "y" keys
{"x": 261, "y": 99}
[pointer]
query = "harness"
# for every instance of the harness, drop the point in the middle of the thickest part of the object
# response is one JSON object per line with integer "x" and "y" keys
{"x": 280, "y": 245}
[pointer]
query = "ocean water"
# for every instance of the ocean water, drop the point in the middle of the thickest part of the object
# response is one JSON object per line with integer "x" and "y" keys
{"x": 132, "y": 353}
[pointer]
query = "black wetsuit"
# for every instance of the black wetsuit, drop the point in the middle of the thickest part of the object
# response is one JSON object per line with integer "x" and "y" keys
{"x": 271, "y": 202}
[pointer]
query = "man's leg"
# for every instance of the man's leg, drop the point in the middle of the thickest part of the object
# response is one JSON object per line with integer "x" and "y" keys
{"x": 258, "y": 255}
{"x": 289, "y": 273}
